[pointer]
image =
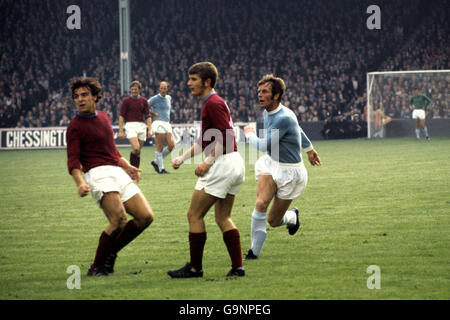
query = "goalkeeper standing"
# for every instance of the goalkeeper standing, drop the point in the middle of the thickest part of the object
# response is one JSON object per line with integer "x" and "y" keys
{"x": 420, "y": 102}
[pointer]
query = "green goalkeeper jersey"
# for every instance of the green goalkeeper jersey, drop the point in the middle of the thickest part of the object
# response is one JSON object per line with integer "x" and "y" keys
{"x": 420, "y": 101}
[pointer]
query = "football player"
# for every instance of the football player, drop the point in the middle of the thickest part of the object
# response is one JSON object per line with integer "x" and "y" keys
{"x": 160, "y": 105}
{"x": 135, "y": 114}
{"x": 91, "y": 151}
{"x": 221, "y": 174}
{"x": 281, "y": 173}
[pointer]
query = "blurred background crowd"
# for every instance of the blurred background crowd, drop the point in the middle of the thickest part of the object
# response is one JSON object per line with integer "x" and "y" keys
{"x": 322, "y": 49}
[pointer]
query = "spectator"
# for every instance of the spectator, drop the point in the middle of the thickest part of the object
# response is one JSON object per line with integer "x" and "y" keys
{"x": 324, "y": 64}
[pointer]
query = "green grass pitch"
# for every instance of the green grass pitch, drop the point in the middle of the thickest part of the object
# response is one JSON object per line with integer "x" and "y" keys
{"x": 372, "y": 202}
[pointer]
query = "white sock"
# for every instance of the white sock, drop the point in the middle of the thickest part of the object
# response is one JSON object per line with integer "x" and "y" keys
{"x": 418, "y": 133}
{"x": 289, "y": 218}
{"x": 425, "y": 129}
{"x": 159, "y": 160}
{"x": 259, "y": 232}
{"x": 165, "y": 152}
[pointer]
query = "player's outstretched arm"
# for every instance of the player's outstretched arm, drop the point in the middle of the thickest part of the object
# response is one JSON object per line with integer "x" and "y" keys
{"x": 192, "y": 152}
{"x": 258, "y": 143}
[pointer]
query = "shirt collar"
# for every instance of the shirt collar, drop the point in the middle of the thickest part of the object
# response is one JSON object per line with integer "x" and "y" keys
{"x": 276, "y": 110}
{"x": 209, "y": 95}
{"x": 87, "y": 115}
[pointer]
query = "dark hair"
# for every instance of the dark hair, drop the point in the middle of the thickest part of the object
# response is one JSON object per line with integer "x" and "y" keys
{"x": 278, "y": 85}
{"x": 136, "y": 83}
{"x": 205, "y": 70}
{"x": 92, "y": 84}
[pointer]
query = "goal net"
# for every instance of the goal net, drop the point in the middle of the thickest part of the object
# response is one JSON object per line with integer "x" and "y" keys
{"x": 389, "y": 95}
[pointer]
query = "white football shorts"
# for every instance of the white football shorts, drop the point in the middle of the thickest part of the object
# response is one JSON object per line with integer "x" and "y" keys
{"x": 108, "y": 178}
{"x": 136, "y": 129}
{"x": 290, "y": 178}
{"x": 226, "y": 176}
{"x": 418, "y": 114}
{"x": 159, "y": 126}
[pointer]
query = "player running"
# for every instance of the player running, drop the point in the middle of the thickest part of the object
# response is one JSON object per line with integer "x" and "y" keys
{"x": 135, "y": 113}
{"x": 281, "y": 174}
{"x": 160, "y": 105}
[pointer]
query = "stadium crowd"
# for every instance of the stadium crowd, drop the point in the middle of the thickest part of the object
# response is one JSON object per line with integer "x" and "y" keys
{"x": 322, "y": 49}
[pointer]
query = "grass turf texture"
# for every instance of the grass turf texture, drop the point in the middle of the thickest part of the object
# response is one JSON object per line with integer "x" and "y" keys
{"x": 373, "y": 202}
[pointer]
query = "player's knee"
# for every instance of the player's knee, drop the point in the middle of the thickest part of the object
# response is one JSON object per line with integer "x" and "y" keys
{"x": 262, "y": 204}
{"x": 273, "y": 222}
{"x": 225, "y": 224}
{"x": 118, "y": 222}
{"x": 220, "y": 221}
{"x": 146, "y": 221}
{"x": 193, "y": 217}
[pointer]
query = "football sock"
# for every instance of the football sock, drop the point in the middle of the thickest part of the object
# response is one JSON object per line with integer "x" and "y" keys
{"x": 138, "y": 161}
{"x": 196, "y": 245}
{"x": 104, "y": 249}
{"x": 258, "y": 232}
{"x": 132, "y": 158}
{"x": 135, "y": 160}
{"x": 425, "y": 130}
{"x": 165, "y": 152}
{"x": 418, "y": 133}
{"x": 232, "y": 240}
{"x": 289, "y": 218}
{"x": 128, "y": 234}
{"x": 159, "y": 160}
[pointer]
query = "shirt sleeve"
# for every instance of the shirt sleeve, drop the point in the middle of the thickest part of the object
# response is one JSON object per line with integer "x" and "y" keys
{"x": 306, "y": 143}
{"x": 274, "y": 133}
{"x": 123, "y": 108}
{"x": 146, "y": 109}
{"x": 113, "y": 142}
{"x": 73, "y": 149}
{"x": 258, "y": 143}
{"x": 151, "y": 102}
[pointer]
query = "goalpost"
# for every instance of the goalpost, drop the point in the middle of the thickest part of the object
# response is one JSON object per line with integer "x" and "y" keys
{"x": 389, "y": 94}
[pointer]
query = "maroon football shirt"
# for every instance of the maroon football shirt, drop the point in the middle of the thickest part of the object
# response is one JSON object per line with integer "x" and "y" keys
{"x": 135, "y": 110}
{"x": 216, "y": 118}
{"x": 90, "y": 142}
